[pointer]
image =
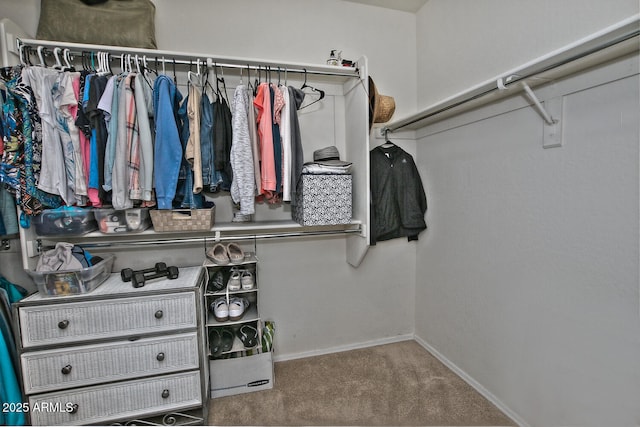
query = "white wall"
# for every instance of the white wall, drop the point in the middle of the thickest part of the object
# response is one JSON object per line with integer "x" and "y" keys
{"x": 461, "y": 43}
{"x": 528, "y": 277}
{"x": 318, "y": 301}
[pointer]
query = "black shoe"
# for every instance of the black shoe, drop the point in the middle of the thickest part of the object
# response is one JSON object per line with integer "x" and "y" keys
{"x": 216, "y": 282}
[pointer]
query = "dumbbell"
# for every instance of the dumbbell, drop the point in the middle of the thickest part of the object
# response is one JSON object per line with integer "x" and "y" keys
{"x": 139, "y": 278}
{"x": 127, "y": 273}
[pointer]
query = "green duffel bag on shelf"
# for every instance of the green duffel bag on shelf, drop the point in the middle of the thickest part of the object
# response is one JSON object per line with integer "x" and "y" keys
{"x": 129, "y": 23}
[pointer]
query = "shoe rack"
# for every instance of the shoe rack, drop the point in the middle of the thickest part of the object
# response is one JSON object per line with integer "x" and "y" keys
{"x": 228, "y": 282}
{"x": 230, "y": 362}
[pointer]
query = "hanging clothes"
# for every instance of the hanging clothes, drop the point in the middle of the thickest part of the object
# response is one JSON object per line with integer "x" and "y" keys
{"x": 168, "y": 149}
{"x": 296, "y": 97}
{"x": 253, "y": 136}
{"x": 398, "y": 200}
{"x": 98, "y": 142}
{"x": 285, "y": 137}
{"x": 262, "y": 102}
{"x": 241, "y": 156}
{"x": 211, "y": 179}
{"x": 277, "y": 102}
{"x": 126, "y": 137}
{"x": 109, "y": 104}
{"x": 222, "y": 139}
{"x": 185, "y": 197}
{"x": 143, "y": 96}
{"x": 22, "y": 157}
{"x": 193, "y": 152}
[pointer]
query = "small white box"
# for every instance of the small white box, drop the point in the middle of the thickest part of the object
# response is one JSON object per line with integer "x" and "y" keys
{"x": 241, "y": 375}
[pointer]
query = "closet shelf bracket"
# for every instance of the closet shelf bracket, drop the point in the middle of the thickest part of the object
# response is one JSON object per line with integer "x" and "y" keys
{"x": 551, "y": 112}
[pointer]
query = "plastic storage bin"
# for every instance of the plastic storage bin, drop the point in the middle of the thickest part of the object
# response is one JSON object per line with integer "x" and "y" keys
{"x": 73, "y": 282}
{"x": 123, "y": 220}
{"x": 65, "y": 221}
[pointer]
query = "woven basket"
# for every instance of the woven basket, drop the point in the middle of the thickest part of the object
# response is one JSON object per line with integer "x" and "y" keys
{"x": 183, "y": 219}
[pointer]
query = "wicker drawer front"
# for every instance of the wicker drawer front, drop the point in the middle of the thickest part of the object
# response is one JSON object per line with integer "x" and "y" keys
{"x": 108, "y": 318}
{"x": 49, "y": 370}
{"x": 94, "y": 405}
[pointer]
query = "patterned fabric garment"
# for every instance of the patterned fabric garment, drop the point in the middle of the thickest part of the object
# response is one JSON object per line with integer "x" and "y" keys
{"x": 31, "y": 199}
{"x": 133, "y": 139}
{"x": 11, "y": 136}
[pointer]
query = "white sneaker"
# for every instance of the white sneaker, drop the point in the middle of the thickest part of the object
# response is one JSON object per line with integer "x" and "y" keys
{"x": 237, "y": 307}
{"x": 233, "y": 284}
{"x": 246, "y": 278}
{"x": 220, "y": 309}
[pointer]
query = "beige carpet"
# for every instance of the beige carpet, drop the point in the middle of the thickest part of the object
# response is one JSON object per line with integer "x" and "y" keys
{"x": 393, "y": 384}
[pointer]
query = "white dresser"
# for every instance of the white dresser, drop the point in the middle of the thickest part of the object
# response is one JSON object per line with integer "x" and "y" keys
{"x": 118, "y": 354}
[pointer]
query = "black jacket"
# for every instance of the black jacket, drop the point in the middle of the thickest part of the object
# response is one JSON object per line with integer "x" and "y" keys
{"x": 398, "y": 200}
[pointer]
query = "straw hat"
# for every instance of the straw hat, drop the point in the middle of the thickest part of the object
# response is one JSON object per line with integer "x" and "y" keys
{"x": 381, "y": 107}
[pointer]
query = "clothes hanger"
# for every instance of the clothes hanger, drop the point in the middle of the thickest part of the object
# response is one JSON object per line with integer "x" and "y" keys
{"x": 197, "y": 75}
{"x": 66, "y": 55}
{"x": 21, "y": 54}
{"x": 224, "y": 86}
{"x": 56, "y": 55}
{"x": 175, "y": 79}
{"x": 387, "y": 143}
{"x": 306, "y": 86}
{"x": 41, "y": 55}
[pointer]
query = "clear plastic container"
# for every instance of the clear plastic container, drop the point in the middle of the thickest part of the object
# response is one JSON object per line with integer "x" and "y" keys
{"x": 122, "y": 220}
{"x": 73, "y": 282}
{"x": 65, "y": 221}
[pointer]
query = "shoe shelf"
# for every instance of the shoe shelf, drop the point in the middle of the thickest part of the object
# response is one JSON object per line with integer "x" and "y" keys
{"x": 237, "y": 347}
{"x": 222, "y": 293}
{"x": 250, "y": 315}
{"x": 249, "y": 258}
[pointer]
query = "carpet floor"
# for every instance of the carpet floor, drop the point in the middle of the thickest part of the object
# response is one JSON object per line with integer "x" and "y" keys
{"x": 391, "y": 384}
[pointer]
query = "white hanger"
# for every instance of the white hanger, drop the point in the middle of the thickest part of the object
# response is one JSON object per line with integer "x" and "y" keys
{"x": 21, "y": 53}
{"x": 191, "y": 74}
{"x": 41, "y": 56}
{"x": 56, "y": 54}
{"x": 67, "y": 58}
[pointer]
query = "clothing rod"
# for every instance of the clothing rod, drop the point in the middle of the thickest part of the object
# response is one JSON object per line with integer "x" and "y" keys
{"x": 204, "y": 239}
{"x": 184, "y": 58}
{"x": 612, "y": 36}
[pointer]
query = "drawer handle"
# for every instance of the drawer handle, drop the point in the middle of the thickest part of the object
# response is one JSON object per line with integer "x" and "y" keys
{"x": 63, "y": 324}
{"x": 66, "y": 370}
{"x": 160, "y": 357}
{"x": 165, "y": 393}
{"x": 74, "y": 408}
{"x": 159, "y": 314}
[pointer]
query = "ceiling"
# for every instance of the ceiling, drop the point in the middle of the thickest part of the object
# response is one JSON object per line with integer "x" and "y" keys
{"x": 404, "y": 5}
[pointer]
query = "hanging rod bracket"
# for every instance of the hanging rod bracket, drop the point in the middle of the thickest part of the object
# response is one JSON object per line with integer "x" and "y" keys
{"x": 551, "y": 112}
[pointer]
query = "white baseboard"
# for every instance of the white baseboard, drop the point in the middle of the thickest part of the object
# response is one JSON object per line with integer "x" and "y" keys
{"x": 354, "y": 346}
{"x": 473, "y": 383}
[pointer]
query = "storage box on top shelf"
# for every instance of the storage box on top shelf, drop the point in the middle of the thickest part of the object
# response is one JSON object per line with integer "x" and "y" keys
{"x": 73, "y": 282}
{"x": 65, "y": 221}
{"x": 323, "y": 200}
{"x": 122, "y": 220}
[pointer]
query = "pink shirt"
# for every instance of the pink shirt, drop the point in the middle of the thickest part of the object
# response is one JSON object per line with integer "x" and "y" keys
{"x": 265, "y": 137}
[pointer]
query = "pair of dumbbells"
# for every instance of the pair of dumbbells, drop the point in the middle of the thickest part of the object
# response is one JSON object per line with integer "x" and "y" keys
{"x": 139, "y": 277}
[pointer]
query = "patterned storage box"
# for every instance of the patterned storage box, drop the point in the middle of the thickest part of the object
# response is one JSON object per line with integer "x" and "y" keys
{"x": 323, "y": 200}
